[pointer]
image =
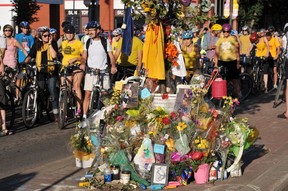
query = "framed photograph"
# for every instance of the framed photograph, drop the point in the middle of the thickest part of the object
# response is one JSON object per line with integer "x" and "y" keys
{"x": 160, "y": 173}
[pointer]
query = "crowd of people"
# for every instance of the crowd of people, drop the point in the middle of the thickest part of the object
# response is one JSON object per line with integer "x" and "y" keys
{"x": 94, "y": 51}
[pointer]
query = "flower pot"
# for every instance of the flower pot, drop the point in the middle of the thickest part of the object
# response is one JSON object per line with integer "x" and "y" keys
{"x": 83, "y": 160}
{"x": 202, "y": 174}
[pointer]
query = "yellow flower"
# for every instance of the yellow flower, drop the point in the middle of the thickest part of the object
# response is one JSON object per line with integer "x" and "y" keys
{"x": 170, "y": 144}
{"x": 130, "y": 123}
{"x": 181, "y": 126}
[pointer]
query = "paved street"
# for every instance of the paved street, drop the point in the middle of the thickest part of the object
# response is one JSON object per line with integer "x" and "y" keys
{"x": 265, "y": 165}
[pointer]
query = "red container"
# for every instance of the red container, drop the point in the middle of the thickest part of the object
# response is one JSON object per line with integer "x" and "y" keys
{"x": 219, "y": 88}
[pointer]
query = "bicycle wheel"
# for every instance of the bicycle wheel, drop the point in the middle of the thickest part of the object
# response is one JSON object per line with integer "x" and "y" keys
{"x": 246, "y": 83}
{"x": 30, "y": 108}
{"x": 62, "y": 109}
{"x": 279, "y": 92}
{"x": 10, "y": 111}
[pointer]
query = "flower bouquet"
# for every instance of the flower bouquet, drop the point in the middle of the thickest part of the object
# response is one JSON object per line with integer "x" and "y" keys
{"x": 82, "y": 148}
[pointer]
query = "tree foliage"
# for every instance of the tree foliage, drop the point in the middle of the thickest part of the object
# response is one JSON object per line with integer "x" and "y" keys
{"x": 25, "y": 10}
{"x": 251, "y": 11}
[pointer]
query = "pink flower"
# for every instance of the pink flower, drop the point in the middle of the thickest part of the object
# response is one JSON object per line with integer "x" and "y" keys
{"x": 119, "y": 118}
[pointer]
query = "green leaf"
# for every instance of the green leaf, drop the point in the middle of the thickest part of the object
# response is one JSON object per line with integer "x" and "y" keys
{"x": 133, "y": 112}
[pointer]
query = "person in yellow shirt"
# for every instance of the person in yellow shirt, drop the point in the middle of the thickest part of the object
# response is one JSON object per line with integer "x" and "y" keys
{"x": 72, "y": 51}
{"x": 245, "y": 47}
{"x": 132, "y": 62}
{"x": 227, "y": 55}
{"x": 274, "y": 52}
{"x": 191, "y": 54}
{"x": 262, "y": 52}
{"x": 117, "y": 35}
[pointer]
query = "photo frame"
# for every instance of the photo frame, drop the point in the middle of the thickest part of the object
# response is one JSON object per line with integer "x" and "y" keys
{"x": 160, "y": 173}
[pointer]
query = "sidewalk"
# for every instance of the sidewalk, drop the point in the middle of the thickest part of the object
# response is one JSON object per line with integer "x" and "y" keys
{"x": 265, "y": 165}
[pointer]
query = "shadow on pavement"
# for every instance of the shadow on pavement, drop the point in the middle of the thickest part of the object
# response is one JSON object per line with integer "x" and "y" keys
{"x": 60, "y": 180}
{"x": 254, "y": 152}
{"x": 15, "y": 181}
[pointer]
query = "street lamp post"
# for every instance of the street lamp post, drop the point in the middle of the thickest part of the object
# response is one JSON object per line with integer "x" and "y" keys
{"x": 94, "y": 11}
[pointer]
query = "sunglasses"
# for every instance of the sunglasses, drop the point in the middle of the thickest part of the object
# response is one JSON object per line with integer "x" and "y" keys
{"x": 7, "y": 30}
{"x": 46, "y": 35}
{"x": 226, "y": 31}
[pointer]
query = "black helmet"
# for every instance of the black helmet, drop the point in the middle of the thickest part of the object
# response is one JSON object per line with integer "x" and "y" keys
{"x": 93, "y": 24}
{"x": 24, "y": 24}
{"x": 65, "y": 23}
{"x": 69, "y": 29}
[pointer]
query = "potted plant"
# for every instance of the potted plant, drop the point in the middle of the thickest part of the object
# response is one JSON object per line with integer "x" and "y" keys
{"x": 82, "y": 148}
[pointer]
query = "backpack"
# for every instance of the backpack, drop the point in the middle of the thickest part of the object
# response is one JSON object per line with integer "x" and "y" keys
{"x": 104, "y": 44}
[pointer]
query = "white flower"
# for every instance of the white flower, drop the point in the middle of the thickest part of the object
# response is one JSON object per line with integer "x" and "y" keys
{"x": 150, "y": 116}
{"x": 86, "y": 138}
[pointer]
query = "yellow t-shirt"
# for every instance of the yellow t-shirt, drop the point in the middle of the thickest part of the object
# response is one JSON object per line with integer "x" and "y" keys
{"x": 245, "y": 44}
{"x": 261, "y": 49}
{"x": 227, "y": 48}
{"x": 137, "y": 45}
{"x": 190, "y": 58}
{"x": 273, "y": 44}
{"x": 71, "y": 50}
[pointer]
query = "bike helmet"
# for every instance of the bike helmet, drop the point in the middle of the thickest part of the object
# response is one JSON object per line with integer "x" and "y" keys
{"x": 187, "y": 35}
{"x": 271, "y": 28}
{"x": 245, "y": 28}
{"x": 285, "y": 29}
{"x": 65, "y": 23}
{"x": 93, "y": 24}
{"x": 8, "y": 27}
{"x": 226, "y": 27}
{"x": 24, "y": 24}
{"x": 43, "y": 29}
{"x": 253, "y": 37}
{"x": 70, "y": 29}
{"x": 53, "y": 31}
{"x": 216, "y": 27}
{"x": 233, "y": 32}
{"x": 117, "y": 32}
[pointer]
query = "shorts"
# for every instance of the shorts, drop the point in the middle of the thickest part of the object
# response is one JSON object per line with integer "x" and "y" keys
{"x": 90, "y": 80}
{"x": 230, "y": 68}
{"x": 70, "y": 70}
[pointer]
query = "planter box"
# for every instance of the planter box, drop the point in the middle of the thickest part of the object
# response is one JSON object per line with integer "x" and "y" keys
{"x": 83, "y": 160}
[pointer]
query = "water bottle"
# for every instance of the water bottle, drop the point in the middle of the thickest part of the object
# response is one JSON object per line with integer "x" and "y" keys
{"x": 106, "y": 81}
{"x": 107, "y": 175}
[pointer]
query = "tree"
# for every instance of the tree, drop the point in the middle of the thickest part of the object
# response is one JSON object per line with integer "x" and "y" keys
{"x": 25, "y": 10}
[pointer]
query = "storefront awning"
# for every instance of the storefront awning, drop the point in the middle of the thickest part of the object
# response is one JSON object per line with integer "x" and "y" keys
{"x": 51, "y": 1}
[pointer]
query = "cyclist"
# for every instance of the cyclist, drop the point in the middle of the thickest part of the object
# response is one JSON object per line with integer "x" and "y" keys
{"x": 209, "y": 40}
{"x": 133, "y": 61}
{"x": 227, "y": 55}
{"x": 10, "y": 57}
{"x": 245, "y": 47}
{"x": 97, "y": 59}
{"x": 53, "y": 33}
{"x": 25, "y": 39}
{"x": 274, "y": 52}
{"x": 72, "y": 51}
{"x": 117, "y": 35}
{"x": 191, "y": 54}
{"x": 3, "y": 101}
{"x": 262, "y": 52}
{"x": 43, "y": 50}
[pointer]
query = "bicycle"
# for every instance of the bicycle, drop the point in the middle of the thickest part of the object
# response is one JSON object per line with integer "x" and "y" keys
{"x": 9, "y": 106}
{"x": 257, "y": 74}
{"x": 280, "y": 93}
{"x": 67, "y": 99}
{"x": 35, "y": 100}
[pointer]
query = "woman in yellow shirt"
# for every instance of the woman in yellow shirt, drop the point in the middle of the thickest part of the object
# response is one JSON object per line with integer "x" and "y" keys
{"x": 72, "y": 51}
{"x": 191, "y": 54}
{"x": 262, "y": 52}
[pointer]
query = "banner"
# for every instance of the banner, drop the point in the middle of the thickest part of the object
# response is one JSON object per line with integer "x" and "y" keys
{"x": 51, "y": 1}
